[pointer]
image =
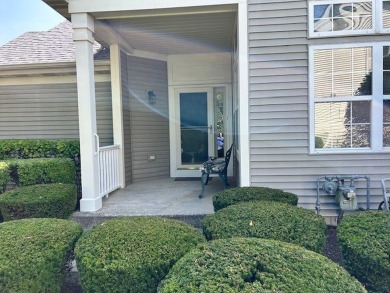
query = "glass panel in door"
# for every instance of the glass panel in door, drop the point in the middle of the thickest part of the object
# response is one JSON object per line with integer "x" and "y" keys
{"x": 219, "y": 127}
{"x": 194, "y": 128}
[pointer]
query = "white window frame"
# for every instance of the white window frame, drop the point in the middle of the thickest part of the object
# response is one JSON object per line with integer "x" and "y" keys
{"x": 380, "y": 19}
{"x": 377, "y": 97}
{"x": 377, "y": 19}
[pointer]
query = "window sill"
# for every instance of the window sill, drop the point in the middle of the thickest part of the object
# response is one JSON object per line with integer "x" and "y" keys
{"x": 343, "y": 34}
{"x": 348, "y": 152}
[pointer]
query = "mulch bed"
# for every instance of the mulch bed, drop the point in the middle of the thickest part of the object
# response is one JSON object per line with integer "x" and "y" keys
{"x": 332, "y": 251}
{"x": 332, "y": 248}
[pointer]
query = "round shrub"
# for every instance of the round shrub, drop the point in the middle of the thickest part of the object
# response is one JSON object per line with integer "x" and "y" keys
{"x": 39, "y": 201}
{"x": 132, "y": 254}
{"x": 365, "y": 245}
{"x": 256, "y": 265}
{"x": 236, "y": 195}
{"x": 270, "y": 220}
{"x": 34, "y": 252}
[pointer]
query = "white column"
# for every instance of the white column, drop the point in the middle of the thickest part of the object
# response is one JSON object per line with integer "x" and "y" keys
{"x": 117, "y": 111}
{"x": 243, "y": 92}
{"x": 83, "y": 25}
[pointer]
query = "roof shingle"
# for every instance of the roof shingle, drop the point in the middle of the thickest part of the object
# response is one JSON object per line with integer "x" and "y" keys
{"x": 55, "y": 45}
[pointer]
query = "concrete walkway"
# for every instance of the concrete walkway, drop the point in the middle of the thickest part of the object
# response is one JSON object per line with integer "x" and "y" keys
{"x": 158, "y": 197}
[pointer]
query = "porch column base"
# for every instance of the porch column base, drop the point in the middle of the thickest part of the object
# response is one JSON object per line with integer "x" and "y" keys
{"x": 90, "y": 204}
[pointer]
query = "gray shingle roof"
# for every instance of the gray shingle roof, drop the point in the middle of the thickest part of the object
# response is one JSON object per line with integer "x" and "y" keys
{"x": 55, "y": 45}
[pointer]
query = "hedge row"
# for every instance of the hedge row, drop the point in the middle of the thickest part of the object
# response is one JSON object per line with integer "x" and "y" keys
{"x": 132, "y": 254}
{"x": 37, "y": 171}
{"x": 4, "y": 176}
{"x": 256, "y": 265}
{"x": 365, "y": 244}
{"x": 243, "y": 194}
{"x": 33, "y": 254}
{"x": 39, "y": 201}
{"x": 271, "y": 220}
{"x": 38, "y": 148}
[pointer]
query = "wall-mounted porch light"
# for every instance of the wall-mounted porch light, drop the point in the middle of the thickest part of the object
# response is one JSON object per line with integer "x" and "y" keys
{"x": 151, "y": 97}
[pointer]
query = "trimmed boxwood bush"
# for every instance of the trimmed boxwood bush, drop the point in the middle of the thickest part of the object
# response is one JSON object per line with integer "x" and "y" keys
{"x": 243, "y": 194}
{"x": 256, "y": 265}
{"x": 365, "y": 244}
{"x": 4, "y": 176}
{"x": 132, "y": 254}
{"x": 33, "y": 254}
{"x": 41, "y": 171}
{"x": 271, "y": 220}
{"x": 39, "y": 201}
{"x": 38, "y": 148}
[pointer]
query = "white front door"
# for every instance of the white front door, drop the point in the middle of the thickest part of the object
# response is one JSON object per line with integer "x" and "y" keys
{"x": 194, "y": 129}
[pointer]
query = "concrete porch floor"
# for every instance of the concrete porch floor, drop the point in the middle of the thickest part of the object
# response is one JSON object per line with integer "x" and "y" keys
{"x": 157, "y": 197}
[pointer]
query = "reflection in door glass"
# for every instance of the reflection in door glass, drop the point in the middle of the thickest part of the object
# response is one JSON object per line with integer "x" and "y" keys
{"x": 193, "y": 128}
{"x": 219, "y": 97}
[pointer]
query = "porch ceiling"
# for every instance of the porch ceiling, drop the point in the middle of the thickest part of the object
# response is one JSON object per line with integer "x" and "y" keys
{"x": 197, "y": 29}
{"x": 177, "y": 34}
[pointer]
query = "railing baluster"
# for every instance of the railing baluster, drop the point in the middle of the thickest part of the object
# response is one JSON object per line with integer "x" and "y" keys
{"x": 109, "y": 169}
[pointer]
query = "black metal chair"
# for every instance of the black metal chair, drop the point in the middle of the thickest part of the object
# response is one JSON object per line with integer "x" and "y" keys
{"x": 215, "y": 166}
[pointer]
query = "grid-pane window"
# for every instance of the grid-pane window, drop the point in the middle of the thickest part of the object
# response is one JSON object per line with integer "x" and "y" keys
{"x": 386, "y": 93}
{"x": 342, "y": 96}
{"x": 343, "y": 124}
{"x": 386, "y": 14}
{"x": 350, "y": 16}
{"x": 350, "y": 97}
{"x": 341, "y": 17}
{"x": 343, "y": 72}
{"x": 386, "y": 70}
{"x": 386, "y": 123}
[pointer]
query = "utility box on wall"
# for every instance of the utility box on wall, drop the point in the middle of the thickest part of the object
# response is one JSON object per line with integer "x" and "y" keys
{"x": 343, "y": 188}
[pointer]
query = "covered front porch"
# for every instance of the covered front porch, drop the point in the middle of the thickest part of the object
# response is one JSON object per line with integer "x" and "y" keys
{"x": 167, "y": 197}
{"x": 179, "y": 76}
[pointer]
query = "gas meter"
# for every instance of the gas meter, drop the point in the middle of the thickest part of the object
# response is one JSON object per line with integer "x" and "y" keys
{"x": 345, "y": 194}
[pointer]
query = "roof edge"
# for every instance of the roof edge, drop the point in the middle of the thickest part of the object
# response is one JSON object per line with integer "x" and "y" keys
{"x": 61, "y": 6}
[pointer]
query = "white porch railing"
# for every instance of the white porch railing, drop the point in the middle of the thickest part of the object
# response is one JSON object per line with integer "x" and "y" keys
{"x": 108, "y": 169}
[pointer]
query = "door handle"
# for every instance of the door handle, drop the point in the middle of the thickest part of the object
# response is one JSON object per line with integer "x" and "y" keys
{"x": 211, "y": 129}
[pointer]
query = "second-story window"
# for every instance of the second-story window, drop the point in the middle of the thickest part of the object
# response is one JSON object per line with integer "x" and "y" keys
{"x": 340, "y": 17}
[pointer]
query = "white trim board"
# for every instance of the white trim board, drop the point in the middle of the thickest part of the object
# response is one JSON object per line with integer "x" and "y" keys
{"x": 243, "y": 96}
{"x": 81, "y": 6}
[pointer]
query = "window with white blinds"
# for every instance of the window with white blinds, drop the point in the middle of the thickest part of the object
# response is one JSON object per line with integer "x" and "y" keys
{"x": 350, "y": 97}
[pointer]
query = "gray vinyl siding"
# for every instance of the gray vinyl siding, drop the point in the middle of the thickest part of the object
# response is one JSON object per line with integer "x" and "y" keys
{"x": 279, "y": 108}
{"x": 49, "y": 111}
{"x": 149, "y": 123}
{"x": 126, "y": 119}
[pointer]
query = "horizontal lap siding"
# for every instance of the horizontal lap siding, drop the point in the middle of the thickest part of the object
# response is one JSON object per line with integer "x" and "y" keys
{"x": 279, "y": 116}
{"x": 49, "y": 111}
{"x": 149, "y": 123}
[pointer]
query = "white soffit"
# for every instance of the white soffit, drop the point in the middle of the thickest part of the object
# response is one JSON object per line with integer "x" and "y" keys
{"x": 61, "y": 6}
{"x": 186, "y": 30}
{"x": 177, "y": 34}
